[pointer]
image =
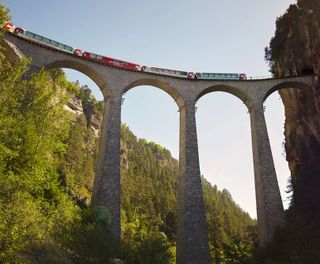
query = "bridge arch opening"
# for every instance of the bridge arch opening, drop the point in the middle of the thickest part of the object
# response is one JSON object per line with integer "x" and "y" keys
{"x": 157, "y": 84}
{"x": 286, "y": 85}
{"x": 84, "y": 112}
{"x": 228, "y": 89}
{"x": 148, "y": 172}
{"x": 11, "y": 52}
{"x": 275, "y": 119}
{"x": 226, "y": 162}
{"x": 82, "y": 68}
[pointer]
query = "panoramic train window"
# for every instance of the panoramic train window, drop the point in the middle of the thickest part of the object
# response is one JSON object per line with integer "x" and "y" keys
{"x": 37, "y": 37}
{"x": 29, "y": 34}
{"x": 45, "y": 40}
{"x": 69, "y": 48}
{"x": 54, "y": 43}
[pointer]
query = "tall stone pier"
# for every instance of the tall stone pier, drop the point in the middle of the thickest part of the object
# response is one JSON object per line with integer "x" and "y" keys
{"x": 106, "y": 189}
{"x": 269, "y": 204}
{"x": 192, "y": 233}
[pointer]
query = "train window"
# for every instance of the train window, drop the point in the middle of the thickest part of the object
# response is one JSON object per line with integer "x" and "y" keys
{"x": 45, "y": 40}
{"x": 99, "y": 57}
{"x": 54, "y": 43}
{"x": 37, "y": 37}
{"x": 93, "y": 55}
{"x": 29, "y": 34}
{"x": 61, "y": 46}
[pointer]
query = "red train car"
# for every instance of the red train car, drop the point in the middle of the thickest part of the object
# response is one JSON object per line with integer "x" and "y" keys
{"x": 112, "y": 61}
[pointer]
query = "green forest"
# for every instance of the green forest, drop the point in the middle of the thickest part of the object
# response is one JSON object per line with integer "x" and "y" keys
{"x": 47, "y": 161}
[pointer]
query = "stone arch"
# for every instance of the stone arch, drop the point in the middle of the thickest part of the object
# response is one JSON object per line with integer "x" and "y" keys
{"x": 169, "y": 93}
{"x": 92, "y": 74}
{"x": 241, "y": 150}
{"x": 11, "y": 52}
{"x": 283, "y": 85}
{"x": 158, "y": 84}
{"x": 227, "y": 89}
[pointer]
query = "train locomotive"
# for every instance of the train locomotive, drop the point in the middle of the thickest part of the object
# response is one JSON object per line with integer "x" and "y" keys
{"x": 119, "y": 63}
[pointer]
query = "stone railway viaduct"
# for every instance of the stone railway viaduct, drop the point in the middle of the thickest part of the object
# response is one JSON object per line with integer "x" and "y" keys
{"x": 192, "y": 233}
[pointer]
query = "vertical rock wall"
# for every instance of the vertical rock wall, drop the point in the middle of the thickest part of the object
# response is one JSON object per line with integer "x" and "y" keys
{"x": 302, "y": 134}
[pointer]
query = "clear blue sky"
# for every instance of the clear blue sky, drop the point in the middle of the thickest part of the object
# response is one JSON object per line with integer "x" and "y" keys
{"x": 203, "y": 35}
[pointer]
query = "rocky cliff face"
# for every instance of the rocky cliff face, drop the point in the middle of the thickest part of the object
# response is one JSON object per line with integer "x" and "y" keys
{"x": 294, "y": 50}
{"x": 93, "y": 118}
{"x": 299, "y": 241}
{"x": 302, "y": 133}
